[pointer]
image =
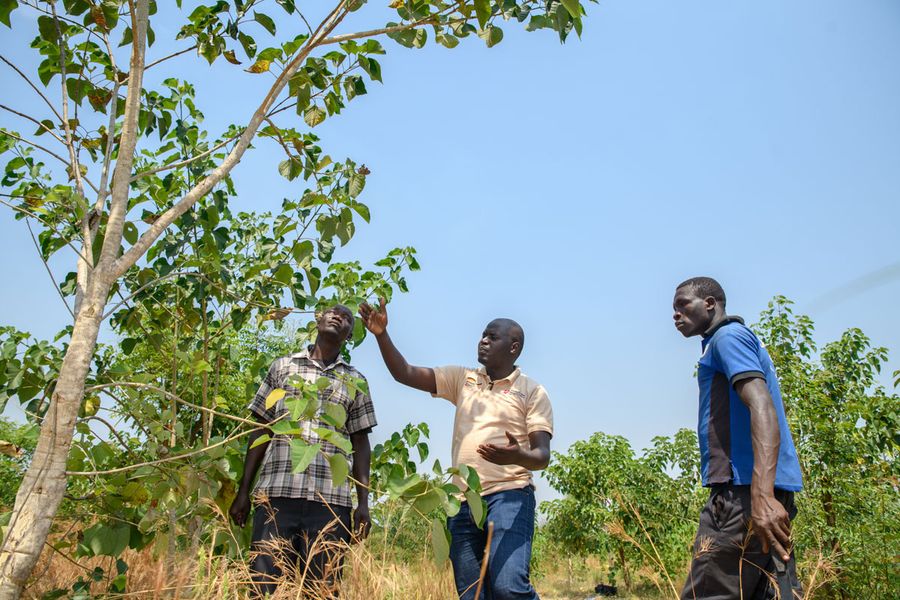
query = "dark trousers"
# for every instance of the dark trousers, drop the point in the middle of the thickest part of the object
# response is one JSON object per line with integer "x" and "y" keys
{"x": 299, "y": 538}
{"x": 729, "y": 563}
{"x": 507, "y": 577}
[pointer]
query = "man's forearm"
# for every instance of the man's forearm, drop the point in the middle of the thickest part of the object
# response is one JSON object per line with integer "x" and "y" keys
{"x": 394, "y": 361}
{"x": 362, "y": 459}
{"x": 764, "y": 434}
{"x": 252, "y": 461}
{"x": 534, "y": 459}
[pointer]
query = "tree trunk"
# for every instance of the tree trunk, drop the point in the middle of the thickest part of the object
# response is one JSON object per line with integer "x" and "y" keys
{"x": 44, "y": 483}
{"x": 625, "y": 572}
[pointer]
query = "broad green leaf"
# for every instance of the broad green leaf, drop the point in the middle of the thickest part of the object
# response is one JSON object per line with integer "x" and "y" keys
{"x": 339, "y": 469}
{"x": 323, "y": 383}
{"x": 483, "y": 12}
{"x": 336, "y": 412}
{"x": 6, "y": 7}
{"x": 573, "y": 7}
{"x": 273, "y": 397}
{"x": 491, "y": 35}
{"x": 397, "y": 486}
{"x": 265, "y": 20}
{"x": 302, "y": 454}
{"x": 427, "y": 503}
{"x": 285, "y": 427}
{"x": 356, "y": 184}
{"x": 314, "y": 115}
{"x": 476, "y": 506}
{"x": 230, "y": 57}
{"x": 334, "y": 438}
{"x": 260, "y": 66}
{"x": 440, "y": 541}
{"x": 263, "y": 439}
{"x": 130, "y": 232}
{"x": 298, "y": 406}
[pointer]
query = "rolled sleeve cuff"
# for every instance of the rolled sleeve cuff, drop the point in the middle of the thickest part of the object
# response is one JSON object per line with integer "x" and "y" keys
{"x": 747, "y": 375}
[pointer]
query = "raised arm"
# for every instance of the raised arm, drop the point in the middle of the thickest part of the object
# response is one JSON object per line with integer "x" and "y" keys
{"x": 770, "y": 519}
{"x": 421, "y": 378}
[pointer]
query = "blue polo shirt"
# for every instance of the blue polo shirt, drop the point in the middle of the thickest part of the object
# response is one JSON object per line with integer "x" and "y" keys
{"x": 732, "y": 352}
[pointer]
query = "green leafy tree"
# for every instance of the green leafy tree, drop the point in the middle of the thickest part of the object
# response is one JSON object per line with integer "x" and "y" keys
{"x": 847, "y": 431}
{"x": 118, "y": 179}
{"x": 639, "y": 511}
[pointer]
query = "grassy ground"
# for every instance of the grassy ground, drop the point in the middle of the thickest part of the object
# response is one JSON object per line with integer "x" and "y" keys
{"x": 367, "y": 575}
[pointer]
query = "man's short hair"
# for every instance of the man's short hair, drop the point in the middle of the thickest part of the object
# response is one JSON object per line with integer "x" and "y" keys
{"x": 704, "y": 287}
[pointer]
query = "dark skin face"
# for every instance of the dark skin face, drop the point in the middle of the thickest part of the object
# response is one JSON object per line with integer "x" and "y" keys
{"x": 499, "y": 347}
{"x": 693, "y": 314}
{"x": 334, "y": 327}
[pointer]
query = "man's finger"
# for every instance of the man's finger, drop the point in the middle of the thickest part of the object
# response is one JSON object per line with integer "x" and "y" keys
{"x": 777, "y": 548}
{"x": 512, "y": 439}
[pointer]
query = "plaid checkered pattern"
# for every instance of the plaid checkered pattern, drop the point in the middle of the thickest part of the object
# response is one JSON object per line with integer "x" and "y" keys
{"x": 275, "y": 478}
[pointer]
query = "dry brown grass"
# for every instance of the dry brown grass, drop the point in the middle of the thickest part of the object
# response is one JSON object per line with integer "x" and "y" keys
{"x": 365, "y": 577}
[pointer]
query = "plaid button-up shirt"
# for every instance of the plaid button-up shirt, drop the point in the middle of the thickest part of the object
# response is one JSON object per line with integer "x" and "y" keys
{"x": 276, "y": 479}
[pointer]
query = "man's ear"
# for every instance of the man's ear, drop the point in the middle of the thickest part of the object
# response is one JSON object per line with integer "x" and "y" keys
{"x": 710, "y": 303}
{"x": 515, "y": 347}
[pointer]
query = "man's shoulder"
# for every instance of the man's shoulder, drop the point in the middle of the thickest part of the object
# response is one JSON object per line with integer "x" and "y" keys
{"x": 734, "y": 330}
{"x": 529, "y": 384}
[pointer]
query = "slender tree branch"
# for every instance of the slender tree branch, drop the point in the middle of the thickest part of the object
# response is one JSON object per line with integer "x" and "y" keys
{"x": 171, "y": 396}
{"x": 34, "y": 87}
{"x": 112, "y": 430}
{"x": 33, "y": 120}
{"x": 159, "y": 461}
{"x": 42, "y": 221}
{"x": 182, "y": 163}
{"x": 38, "y": 146}
{"x": 173, "y": 55}
{"x": 47, "y": 267}
{"x": 122, "y": 174}
{"x": 373, "y": 32}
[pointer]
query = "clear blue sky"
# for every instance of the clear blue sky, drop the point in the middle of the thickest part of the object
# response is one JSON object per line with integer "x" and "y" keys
{"x": 572, "y": 186}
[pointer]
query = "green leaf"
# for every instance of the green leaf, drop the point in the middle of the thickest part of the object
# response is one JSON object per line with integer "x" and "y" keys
{"x": 265, "y": 20}
{"x": 339, "y": 469}
{"x": 6, "y": 7}
{"x": 573, "y": 7}
{"x": 336, "y": 414}
{"x": 334, "y": 438}
{"x": 440, "y": 541}
{"x": 302, "y": 454}
{"x": 491, "y": 35}
{"x": 483, "y": 12}
{"x": 476, "y": 507}
{"x": 130, "y": 232}
{"x": 260, "y": 66}
{"x": 314, "y": 115}
{"x": 427, "y": 503}
{"x": 298, "y": 406}
{"x": 263, "y": 439}
{"x": 356, "y": 184}
{"x": 273, "y": 397}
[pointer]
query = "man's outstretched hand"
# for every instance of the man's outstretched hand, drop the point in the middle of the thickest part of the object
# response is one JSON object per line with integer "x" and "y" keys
{"x": 511, "y": 454}
{"x": 771, "y": 524}
{"x": 375, "y": 320}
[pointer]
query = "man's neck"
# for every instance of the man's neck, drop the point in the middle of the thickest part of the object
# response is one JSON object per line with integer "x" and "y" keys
{"x": 717, "y": 320}
{"x": 496, "y": 373}
{"x": 325, "y": 351}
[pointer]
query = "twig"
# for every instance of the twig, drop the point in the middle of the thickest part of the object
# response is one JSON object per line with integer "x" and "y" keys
{"x": 47, "y": 267}
{"x": 173, "y": 55}
{"x": 34, "y": 216}
{"x": 168, "y": 458}
{"x": 184, "y": 162}
{"x": 34, "y": 87}
{"x": 33, "y": 120}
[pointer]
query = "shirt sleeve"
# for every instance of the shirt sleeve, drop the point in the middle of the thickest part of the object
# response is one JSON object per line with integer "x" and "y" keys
{"x": 271, "y": 381}
{"x": 449, "y": 382}
{"x": 361, "y": 416}
{"x": 736, "y": 350}
{"x": 539, "y": 413}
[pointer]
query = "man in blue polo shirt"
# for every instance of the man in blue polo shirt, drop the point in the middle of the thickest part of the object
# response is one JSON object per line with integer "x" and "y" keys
{"x": 747, "y": 457}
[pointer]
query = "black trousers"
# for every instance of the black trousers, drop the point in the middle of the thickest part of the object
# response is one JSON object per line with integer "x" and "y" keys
{"x": 299, "y": 538}
{"x": 728, "y": 562}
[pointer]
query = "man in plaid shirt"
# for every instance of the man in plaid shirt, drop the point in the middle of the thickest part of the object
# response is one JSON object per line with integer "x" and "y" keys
{"x": 297, "y": 509}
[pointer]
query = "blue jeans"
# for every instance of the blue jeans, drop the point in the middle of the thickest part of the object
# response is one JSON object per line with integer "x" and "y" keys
{"x": 512, "y": 513}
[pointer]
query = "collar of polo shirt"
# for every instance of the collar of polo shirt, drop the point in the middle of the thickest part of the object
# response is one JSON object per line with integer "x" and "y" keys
{"x": 305, "y": 354}
{"x": 511, "y": 378}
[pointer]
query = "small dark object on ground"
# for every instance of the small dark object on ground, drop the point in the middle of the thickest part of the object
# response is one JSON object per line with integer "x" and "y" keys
{"x": 606, "y": 590}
